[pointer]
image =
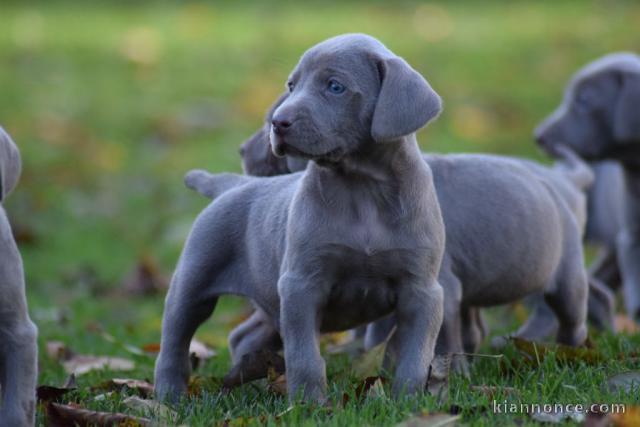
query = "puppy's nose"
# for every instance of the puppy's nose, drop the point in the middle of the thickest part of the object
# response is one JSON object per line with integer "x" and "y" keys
{"x": 280, "y": 126}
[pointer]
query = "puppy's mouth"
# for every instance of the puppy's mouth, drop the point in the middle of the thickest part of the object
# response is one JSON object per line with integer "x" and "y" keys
{"x": 281, "y": 149}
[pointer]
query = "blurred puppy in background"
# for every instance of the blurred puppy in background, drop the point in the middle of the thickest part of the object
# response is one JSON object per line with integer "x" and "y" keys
{"x": 18, "y": 347}
{"x": 599, "y": 119}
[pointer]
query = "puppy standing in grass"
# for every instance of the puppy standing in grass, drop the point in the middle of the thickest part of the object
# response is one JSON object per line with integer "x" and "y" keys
{"x": 358, "y": 236}
{"x": 500, "y": 214}
{"x": 599, "y": 119}
{"x": 18, "y": 348}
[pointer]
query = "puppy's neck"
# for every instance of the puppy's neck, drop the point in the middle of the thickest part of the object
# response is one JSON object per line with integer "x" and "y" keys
{"x": 379, "y": 161}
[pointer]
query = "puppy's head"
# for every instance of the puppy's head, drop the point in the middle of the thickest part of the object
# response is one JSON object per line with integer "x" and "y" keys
{"x": 599, "y": 112}
{"x": 9, "y": 164}
{"x": 257, "y": 157}
{"x": 347, "y": 92}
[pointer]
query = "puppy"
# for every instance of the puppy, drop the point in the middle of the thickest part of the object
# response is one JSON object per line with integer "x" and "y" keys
{"x": 564, "y": 185}
{"x": 598, "y": 119}
{"x": 18, "y": 347}
{"x": 357, "y": 236}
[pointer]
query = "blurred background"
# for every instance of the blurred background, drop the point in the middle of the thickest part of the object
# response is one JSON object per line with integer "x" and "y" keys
{"x": 112, "y": 102}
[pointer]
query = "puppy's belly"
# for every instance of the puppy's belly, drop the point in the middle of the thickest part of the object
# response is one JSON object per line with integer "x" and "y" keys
{"x": 357, "y": 301}
{"x": 501, "y": 293}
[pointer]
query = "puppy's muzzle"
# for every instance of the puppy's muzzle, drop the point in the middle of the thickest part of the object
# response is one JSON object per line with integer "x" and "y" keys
{"x": 279, "y": 128}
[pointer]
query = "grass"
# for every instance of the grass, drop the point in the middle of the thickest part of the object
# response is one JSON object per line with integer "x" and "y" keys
{"x": 112, "y": 103}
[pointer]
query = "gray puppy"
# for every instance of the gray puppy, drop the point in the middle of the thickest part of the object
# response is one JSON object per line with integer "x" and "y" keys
{"x": 18, "y": 348}
{"x": 598, "y": 118}
{"x": 355, "y": 237}
{"x": 565, "y": 183}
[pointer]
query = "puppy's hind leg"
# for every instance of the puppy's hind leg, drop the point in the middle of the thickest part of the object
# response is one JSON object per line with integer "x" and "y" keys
{"x": 567, "y": 295}
{"x": 254, "y": 334}
{"x": 541, "y": 323}
{"x": 192, "y": 297}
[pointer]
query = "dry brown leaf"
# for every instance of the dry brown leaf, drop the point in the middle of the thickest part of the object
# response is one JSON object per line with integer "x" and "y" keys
{"x": 430, "y": 420}
{"x": 81, "y": 364}
{"x": 152, "y": 347}
{"x": 57, "y": 350}
{"x": 254, "y": 366}
{"x": 278, "y": 385}
{"x": 59, "y": 415}
{"x": 198, "y": 384}
{"x": 48, "y": 393}
{"x": 625, "y": 324}
{"x": 376, "y": 391}
{"x": 630, "y": 418}
{"x": 150, "y": 408}
{"x": 146, "y": 278}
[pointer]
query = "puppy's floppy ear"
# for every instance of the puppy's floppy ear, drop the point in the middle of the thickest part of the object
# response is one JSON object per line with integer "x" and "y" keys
{"x": 406, "y": 101}
{"x": 10, "y": 164}
{"x": 626, "y": 121}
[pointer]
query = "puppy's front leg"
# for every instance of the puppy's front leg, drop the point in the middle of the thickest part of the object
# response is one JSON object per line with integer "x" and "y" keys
{"x": 419, "y": 317}
{"x": 299, "y": 325}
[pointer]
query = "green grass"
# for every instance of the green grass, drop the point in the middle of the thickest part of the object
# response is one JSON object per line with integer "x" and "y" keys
{"x": 112, "y": 103}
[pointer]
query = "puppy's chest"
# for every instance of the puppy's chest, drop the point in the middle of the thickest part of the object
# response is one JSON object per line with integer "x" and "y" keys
{"x": 362, "y": 287}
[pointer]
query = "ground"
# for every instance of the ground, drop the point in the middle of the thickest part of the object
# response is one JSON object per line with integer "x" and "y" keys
{"x": 111, "y": 104}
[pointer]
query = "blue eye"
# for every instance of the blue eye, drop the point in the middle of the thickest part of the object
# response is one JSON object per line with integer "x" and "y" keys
{"x": 290, "y": 86}
{"x": 335, "y": 87}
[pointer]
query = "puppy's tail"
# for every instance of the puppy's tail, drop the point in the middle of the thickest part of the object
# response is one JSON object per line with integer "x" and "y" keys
{"x": 213, "y": 185}
{"x": 573, "y": 167}
{"x": 10, "y": 164}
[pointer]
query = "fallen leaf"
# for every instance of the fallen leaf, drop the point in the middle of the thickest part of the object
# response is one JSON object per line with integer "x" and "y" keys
{"x": 366, "y": 385}
{"x": 369, "y": 363}
{"x": 150, "y": 408}
{"x": 70, "y": 382}
{"x": 630, "y": 417}
{"x": 430, "y": 420}
{"x": 627, "y": 382}
{"x": 198, "y": 384}
{"x": 253, "y": 366}
{"x": 376, "y": 390}
{"x": 81, "y": 364}
{"x": 57, "y": 350}
{"x": 140, "y": 387}
{"x": 46, "y": 393}
{"x": 200, "y": 349}
{"x": 59, "y": 415}
{"x": 625, "y": 324}
{"x": 278, "y": 385}
{"x": 145, "y": 278}
{"x": 152, "y": 347}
